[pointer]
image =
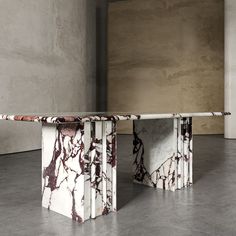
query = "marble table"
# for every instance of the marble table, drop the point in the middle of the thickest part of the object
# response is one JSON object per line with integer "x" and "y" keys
{"x": 79, "y": 157}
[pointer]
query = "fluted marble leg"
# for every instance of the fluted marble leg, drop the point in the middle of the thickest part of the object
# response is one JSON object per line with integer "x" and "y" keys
{"x": 163, "y": 153}
{"x": 79, "y": 169}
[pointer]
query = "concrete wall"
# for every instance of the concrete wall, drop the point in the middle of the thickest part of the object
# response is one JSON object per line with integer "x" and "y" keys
{"x": 47, "y": 63}
{"x": 230, "y": 67}
{"x": 101, "y": 54}
{"x": 167, "y": 56}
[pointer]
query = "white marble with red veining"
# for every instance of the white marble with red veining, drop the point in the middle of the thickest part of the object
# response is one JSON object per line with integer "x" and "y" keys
{"x": 79, "y": 157}
{"x": 63, "y": 169}
{"x": 78, "y": 161}
{"x": 163, "y": 153}
{"x": 115, "y": 116}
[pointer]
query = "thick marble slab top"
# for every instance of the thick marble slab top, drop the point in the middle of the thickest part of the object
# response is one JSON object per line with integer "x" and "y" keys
{"x": 76, "y": 117}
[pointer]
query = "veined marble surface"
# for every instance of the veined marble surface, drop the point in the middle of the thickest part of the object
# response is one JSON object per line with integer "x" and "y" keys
{"x": 163, "y": 153}
{"x": 103, "y": 116}
{"x": 79, "y": 164}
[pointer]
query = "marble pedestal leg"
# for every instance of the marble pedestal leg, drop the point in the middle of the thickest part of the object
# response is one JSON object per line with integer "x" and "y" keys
{"x": 79, "y": 169}
{"x": 163, "y": 153}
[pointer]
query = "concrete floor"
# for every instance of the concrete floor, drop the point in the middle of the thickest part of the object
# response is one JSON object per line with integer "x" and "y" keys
{"x": 207, "y": 208}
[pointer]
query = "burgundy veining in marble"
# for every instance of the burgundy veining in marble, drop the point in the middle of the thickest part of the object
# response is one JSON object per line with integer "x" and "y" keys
{"x": 89, "y": 116}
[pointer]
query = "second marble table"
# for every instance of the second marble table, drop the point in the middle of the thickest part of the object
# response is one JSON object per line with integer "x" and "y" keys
{"x": 79, "y": 157}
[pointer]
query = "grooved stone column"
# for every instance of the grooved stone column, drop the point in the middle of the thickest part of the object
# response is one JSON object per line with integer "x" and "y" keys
{"x": 230, "y": 68}
{"x": 163, "y": 153}
{"x": 79, "y": 163}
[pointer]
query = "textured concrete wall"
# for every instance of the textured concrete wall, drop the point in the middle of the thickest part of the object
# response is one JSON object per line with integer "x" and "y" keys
{"x": 47, "y": 63}
{"x": 230, "y": 67}
{"x": 167, "y": 56}
{"x": 101, "y": 54}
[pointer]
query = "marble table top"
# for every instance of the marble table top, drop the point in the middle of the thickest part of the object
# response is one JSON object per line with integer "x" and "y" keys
{"x": 76, "y": 117}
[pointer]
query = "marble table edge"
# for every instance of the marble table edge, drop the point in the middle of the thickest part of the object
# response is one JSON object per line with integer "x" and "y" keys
{"x": 103, "y": 117}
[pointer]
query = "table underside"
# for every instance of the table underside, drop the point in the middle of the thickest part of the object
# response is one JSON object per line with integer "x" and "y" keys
{"x": 79, "y": 163}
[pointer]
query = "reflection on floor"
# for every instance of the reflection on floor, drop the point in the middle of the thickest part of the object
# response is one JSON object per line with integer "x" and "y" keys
{"x": 208, "y": 208}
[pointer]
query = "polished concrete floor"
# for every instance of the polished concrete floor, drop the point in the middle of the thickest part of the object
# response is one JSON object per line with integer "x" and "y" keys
{"x": 207, "y": 208}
